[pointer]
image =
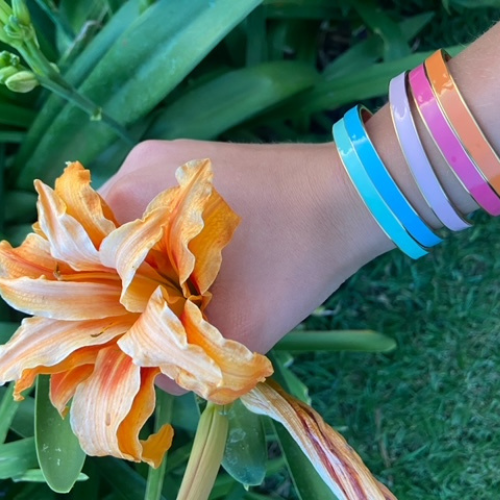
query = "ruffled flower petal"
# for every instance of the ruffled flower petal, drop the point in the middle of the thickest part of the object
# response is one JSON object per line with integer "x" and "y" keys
{"x": 65, "y": 300}
{"x": 158, "y": 339}
{"x": 81, "y": 357}
{"x": 126, "y": 249}
{"x": 193, "y": 352}
{"x": 154, "y": 449}
{"x": 63, "y": 385}
{"x": 105, "y": 402}
{"x": 32, "y": 259}
{"x": 47, "y": 342}
{"x": 84, "y": 204}
{"x": 69, "y": 241}
{"x": 334, "y": 460}
{"x": 186, "y": 222}
{"x": 220, "y": 222}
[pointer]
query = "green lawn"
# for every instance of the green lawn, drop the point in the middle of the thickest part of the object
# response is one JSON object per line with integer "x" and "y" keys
{"x": 426, "y": 417}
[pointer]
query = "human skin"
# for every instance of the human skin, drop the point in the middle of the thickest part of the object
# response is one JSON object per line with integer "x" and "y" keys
{"x": 304, "y": 228}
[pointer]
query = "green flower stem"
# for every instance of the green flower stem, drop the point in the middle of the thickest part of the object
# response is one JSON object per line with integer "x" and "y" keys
{"x": 206, "y": 455}
{"x": 164, "y": 411}
{"x": 52, "y": 80}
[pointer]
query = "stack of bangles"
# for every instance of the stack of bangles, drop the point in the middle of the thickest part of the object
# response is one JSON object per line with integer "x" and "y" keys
{"x": 456, "y": 134}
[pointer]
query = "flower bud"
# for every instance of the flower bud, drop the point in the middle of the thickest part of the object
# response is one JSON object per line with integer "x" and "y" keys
{"x": 9, "y": 59}
{"x": 21, "y": 11}
{"x": 6, "y": 73}
{"x": 22, "y": 82}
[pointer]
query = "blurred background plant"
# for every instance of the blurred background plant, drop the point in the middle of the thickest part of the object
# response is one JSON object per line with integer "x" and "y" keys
{"x": 87, "y": 80}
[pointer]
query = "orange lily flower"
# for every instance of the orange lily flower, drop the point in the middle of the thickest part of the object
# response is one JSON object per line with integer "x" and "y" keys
{"x": 114, "y": 306}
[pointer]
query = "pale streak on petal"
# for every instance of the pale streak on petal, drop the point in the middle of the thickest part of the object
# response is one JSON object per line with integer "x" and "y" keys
{"x": 153, "y": 450}
{"x": 84, "y": 204}
{"x": 336, "y": 462}
{"x": 103, "y": 401}
{"x": 241, "y": 368}
{"x": 64, "y": 300}
{"x": 47, "y": 342}
{"x": 158, "y": 338}
{"x": 220, "y": 222}
{"x": 69, "y": 242}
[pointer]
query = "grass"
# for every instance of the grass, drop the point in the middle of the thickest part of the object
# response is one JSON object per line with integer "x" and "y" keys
{"x": 424, "y": 418}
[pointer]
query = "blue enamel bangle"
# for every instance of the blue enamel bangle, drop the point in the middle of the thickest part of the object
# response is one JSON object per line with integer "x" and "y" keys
{"x": 383, "y": 181}
{"x": 382, "y": 214}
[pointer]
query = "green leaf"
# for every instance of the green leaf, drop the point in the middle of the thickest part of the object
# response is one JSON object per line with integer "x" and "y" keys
{"x": 186, "y": 413}
{"x": 256, "y": 26}
{"x": 17, "y": 457}
{"x": 163, "y": 45}
{"x": 8, "y": 408}
{"x": 332, "y": 93}
{"x": 36, "y": 476}
{"x": 394, "y": 41}
{"x": 124, "y": 480}
{"x": 286, "y": 378}
{"x": 11, "y": 137}
{"x": 337, "y": 340}
{"x": 367, "y": 52}
{"x": 15, "y": 116}
{"x": 7, "y": 329}
{"x": 245, "y": 455}
{"x": 228, "y": 100}
{"x": 59, "y": 454}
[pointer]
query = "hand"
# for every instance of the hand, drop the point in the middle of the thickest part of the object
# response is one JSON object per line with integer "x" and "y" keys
{"x": 303, "y": 229}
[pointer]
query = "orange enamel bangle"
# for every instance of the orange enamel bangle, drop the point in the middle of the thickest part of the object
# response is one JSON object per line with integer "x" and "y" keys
{"x": 461, "y": 120}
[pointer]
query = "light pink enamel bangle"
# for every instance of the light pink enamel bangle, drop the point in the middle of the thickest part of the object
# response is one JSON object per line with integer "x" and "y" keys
{"x": 450, "y": 146}
{"x": 416, "y": 158}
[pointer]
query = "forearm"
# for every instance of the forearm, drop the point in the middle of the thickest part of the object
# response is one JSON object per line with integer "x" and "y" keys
{"x": 475, "y": 72}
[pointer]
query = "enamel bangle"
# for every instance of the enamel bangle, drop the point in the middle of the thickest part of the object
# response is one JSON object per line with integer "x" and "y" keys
{"x": 461, "y": 118}
{"x": 382, "y": 214}
{"x": 383, "y": 181}
{"x": 449, "y": 145}
{"x": 416, "y": 158}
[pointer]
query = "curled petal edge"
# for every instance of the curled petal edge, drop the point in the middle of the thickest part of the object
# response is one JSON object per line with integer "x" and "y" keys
{"x": 335, "y": 461}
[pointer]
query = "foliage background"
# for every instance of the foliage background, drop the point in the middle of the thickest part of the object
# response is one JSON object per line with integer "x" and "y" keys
{"x": 425, "y": 417}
